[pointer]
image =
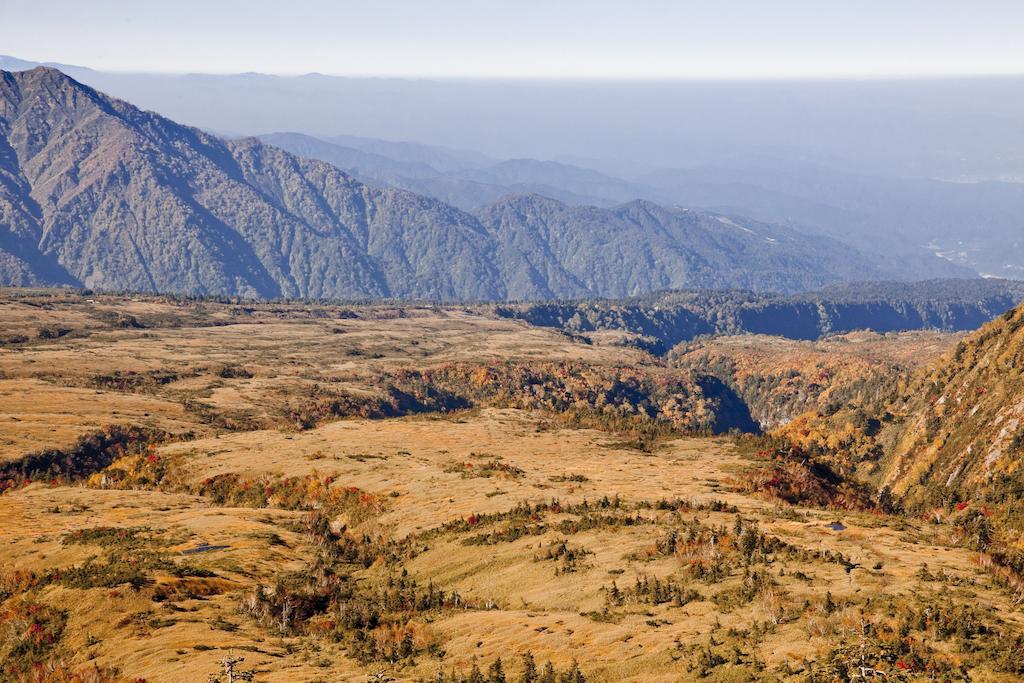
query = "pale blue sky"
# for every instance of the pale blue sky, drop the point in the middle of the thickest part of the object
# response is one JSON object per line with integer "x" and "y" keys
{"x": 526, "y": 38}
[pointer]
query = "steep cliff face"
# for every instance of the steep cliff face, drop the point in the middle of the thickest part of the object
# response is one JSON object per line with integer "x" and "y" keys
{"x": 948, "y": 436}
{"x": 676, "y": 317}
{"x": 962, "y": 433}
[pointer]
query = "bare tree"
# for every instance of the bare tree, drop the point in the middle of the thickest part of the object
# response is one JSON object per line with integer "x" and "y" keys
{"x": 286, "y": 613}
{"x": 230, "y": 673}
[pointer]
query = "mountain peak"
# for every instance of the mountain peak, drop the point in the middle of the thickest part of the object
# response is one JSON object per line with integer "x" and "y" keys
{"x": 643, "y": 205}
{"x": 44, "y": 88}
{"x": 43, "y": 75}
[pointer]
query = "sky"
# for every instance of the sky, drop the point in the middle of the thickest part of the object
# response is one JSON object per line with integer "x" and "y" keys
{"x": 594, "y": 39}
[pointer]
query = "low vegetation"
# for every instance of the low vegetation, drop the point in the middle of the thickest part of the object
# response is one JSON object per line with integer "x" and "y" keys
{"x": 329, "y": 493}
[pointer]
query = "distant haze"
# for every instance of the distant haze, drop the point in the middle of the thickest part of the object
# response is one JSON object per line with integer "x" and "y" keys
{"x": 949, "y": 128}
{"x": 896, "y": 128}
{"x": 526, "y": 38}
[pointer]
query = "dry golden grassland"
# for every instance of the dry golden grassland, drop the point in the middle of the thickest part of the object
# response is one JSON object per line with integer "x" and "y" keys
{"x": 167, "y": 372}
{"x": 227, "y": 530}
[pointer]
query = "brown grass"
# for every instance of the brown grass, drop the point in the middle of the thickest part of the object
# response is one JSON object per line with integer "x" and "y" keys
{"x": 193, "y": 559}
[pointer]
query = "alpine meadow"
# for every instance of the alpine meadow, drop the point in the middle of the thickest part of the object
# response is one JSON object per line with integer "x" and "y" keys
{"x": 511, "y": 342}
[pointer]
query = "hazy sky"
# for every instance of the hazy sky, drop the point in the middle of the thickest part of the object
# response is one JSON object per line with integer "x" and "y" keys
{"x": 525, "y": 38}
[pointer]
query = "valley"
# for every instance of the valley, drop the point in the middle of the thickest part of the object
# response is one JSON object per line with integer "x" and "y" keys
{"x": 415, "y": 492}
{"x": 573, "y": 342}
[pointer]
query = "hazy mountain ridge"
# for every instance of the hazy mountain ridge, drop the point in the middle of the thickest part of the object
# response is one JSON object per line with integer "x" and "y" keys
{"x": 909, "y": 226}
{"x": 459, "y": 178}
{"x": 906, "y": 221}
{"x": 872, "y": 168}
{"x": 102, "y": 194}
{"x": 907, "y": 127}
{"x": 440, "y": 158}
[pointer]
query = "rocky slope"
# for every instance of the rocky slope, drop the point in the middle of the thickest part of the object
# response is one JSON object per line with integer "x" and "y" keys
{"x": 95, "y": 192}
{"x": 962, "y": 433}
{"x": 946, "y": 442}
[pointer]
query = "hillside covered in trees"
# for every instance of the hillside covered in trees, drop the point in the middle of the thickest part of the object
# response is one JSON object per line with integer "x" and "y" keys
{"x": 100, "y": 194}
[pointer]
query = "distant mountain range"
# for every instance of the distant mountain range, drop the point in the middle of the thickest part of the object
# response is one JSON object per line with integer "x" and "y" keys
{"x": 925, "y": 176}
{"x": 95, "y": 192}
{"x": 912, "y": 228}
{"x": 457, "y": 179}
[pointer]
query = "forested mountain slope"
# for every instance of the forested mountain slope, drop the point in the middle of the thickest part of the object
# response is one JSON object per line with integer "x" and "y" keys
{"x": 917, "y": 229}
{"x": 97, "y": 193}
{"x": 125, "y": 199}
{"x": 548, "y": 247}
